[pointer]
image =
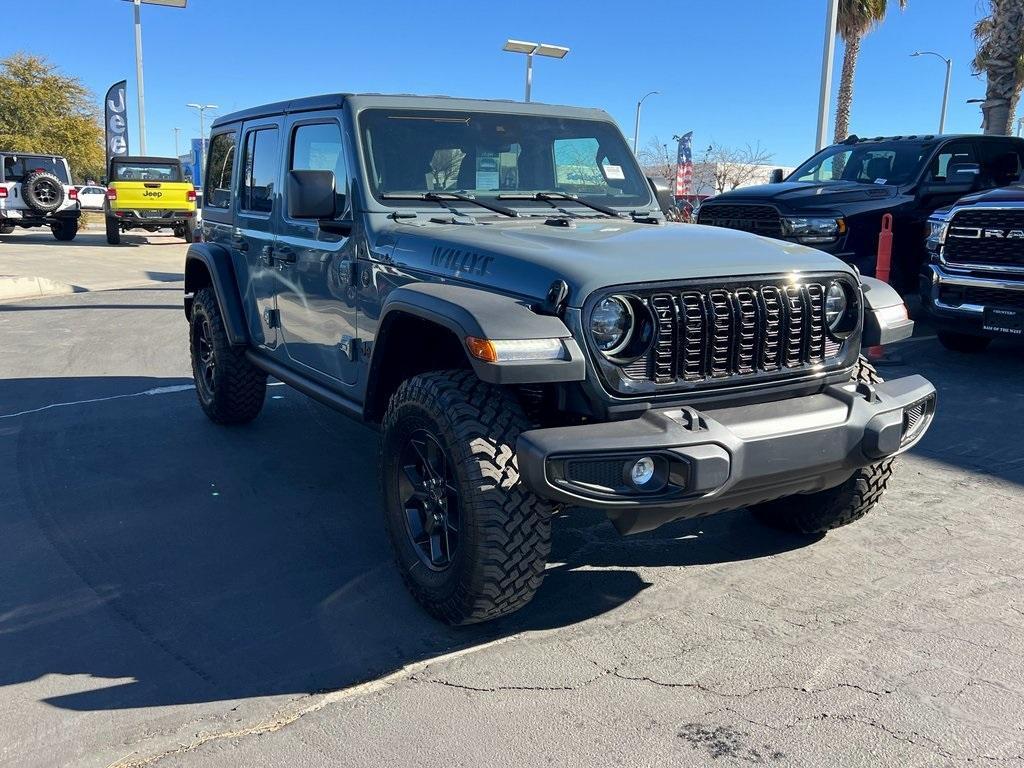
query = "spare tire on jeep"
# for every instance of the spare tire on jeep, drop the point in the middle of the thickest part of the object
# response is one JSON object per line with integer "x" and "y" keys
{"x": 42, "y": 191}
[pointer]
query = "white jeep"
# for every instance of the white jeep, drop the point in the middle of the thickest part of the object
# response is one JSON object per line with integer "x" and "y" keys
{"x": 36, "y": 191}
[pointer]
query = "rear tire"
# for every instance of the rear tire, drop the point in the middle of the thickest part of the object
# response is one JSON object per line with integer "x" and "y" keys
{"x": 230, "y": 389}
{"x": 113, "y": 231}
{"x": 6, "y": 229}
{"x": 963, "y": 342}
{"x": 501, "y": 530}
{"x": 188, "y": 230}
{"x": 835, "y": 507}
{"x": 65, "y": 230}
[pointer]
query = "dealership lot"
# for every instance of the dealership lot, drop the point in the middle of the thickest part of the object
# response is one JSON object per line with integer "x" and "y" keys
{"x": 175, "y": 593}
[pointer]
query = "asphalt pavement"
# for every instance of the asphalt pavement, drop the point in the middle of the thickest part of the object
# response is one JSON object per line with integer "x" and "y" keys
{"x": 175, "y": 593}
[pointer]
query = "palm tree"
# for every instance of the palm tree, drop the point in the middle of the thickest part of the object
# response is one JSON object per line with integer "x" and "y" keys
{"x": 855, "y": 19}
{"x": 1000, "y": 54}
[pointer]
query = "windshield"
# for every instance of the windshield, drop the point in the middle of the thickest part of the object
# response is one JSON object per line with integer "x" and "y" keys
{"x": 491, "y": 155}
{"x": 147, "y": 172}
{"x": 895, "y": 162}
{"x": 17, "y": 167}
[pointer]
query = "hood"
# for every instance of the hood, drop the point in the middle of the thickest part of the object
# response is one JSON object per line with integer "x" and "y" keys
{"x": 1013, "y": 194}
{"x": 525, "y": 257}
{"x": 798, "y": 195}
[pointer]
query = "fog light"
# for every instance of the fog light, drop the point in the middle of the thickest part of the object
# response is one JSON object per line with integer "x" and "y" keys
{"x": 642, "y": 472}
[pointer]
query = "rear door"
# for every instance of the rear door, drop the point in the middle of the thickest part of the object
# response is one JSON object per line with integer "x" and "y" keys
{"x": 258, "y": 204}
{"x": 316, "y": 295}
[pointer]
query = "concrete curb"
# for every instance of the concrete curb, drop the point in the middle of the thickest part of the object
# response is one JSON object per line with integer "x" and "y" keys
{"x": 17, "y": 287}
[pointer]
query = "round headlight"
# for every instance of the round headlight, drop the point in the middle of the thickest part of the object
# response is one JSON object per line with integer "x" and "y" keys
{"x": 611, "y": 324}
{"x": 835, "y": 305}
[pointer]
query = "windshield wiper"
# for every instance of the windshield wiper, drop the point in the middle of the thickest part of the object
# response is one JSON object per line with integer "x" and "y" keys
{"x": 441, "y": 197}
{"x": 549, "y": 196}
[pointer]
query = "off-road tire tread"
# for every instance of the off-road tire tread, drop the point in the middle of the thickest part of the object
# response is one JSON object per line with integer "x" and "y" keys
{"x": 480, "y": 425}
{"x": 113, "y": 231}
{"x": 6, "y": 229}
{"x": 835, "y": 507}
{"x": 28, "y": 193}
{"x": 241, "y": 387}
{"x": 963, "y": 342}
{"x": 66, "y": 230}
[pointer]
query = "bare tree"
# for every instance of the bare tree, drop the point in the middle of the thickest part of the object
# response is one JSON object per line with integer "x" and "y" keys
{"x": 656, "y": 160}
{"x": 445, "y": 166}
{"x": 727, "y": 168}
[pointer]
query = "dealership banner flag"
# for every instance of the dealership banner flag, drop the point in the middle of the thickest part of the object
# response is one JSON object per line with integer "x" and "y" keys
{"x": 115, "y": 120}
{"x": 684, "y": 165}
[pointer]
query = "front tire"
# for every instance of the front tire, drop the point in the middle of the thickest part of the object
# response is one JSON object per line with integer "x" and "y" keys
{"x": 963, "y": 342}
{"x": 6, "y": 229}
{"x": 470, "y": 540}
{"x": 835, "y": 507}
{"x": 230, "y": 389}
{"x": 113, "y": 231}
{"x": 66, "y": 230}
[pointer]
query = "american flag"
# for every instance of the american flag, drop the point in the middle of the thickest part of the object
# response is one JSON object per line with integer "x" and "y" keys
{"x": 684, "y": 165}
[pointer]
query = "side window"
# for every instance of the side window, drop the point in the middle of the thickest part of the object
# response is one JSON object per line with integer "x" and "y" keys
{"x": 259, "y": 175}
{"x": 219, "y": 163}
{"x": 317, "y": 147}
{"x": 951, "y": 154}
{"x": 1001, "y": 162}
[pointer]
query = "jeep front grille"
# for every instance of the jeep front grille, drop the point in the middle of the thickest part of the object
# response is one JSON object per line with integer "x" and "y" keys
{"x": 979, "y": 236}
{"x": 759, "y": 219}
{"x": 772, "y": 328}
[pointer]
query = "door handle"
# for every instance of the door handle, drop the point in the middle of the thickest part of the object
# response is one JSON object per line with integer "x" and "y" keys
{"x": 285, "y": 254}
{"x": 267, "y": 255}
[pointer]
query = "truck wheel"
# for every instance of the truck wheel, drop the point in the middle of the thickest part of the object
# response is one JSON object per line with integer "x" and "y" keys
{"x": 835, "y": 507}
{"x": 963, "y": 342}
{"x": 113, "y": 231}
{"x": 65, "y": 230}
{"x": 188, "y": 230}
{"x": 42, "y": 191}
{"x": 471, "y": 541}
{"x": 230, "y": 388}
{"x": 6, "y": 229}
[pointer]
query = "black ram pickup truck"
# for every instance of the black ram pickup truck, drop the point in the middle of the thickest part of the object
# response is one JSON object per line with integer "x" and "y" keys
{"x": 972, "y": 289}
{"x": 836, "y": 199}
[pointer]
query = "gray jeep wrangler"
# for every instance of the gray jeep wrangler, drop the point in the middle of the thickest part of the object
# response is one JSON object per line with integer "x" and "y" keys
{"x": 494, "y": 285}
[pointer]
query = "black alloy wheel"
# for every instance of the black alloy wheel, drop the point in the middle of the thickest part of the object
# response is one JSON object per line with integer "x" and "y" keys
{"x": 430, "y": 500}
{"x": 206, "y": 361}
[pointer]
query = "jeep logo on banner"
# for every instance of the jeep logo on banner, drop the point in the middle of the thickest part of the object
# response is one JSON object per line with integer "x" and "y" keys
{"x": 116, "y": 121}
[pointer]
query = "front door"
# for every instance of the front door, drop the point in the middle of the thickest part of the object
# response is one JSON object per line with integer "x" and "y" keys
{"x": 259, "y": 203}
{"x": 317, "y": 292}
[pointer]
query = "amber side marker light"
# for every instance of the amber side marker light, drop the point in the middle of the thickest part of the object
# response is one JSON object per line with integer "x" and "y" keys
{"x": 509, "y": 350}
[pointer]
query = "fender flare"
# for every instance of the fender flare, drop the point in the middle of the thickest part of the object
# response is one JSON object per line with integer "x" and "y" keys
{"x": 214, "y": 261}
{"x": 486, "y": 315}
{"x": 885, "y": 315}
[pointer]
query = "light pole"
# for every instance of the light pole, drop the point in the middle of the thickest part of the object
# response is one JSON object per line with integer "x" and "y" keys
{"x": 827, "y": 54}
{"x": 636, "y": 126}
{"x": 140, "y": 88}
{"x": 945, "y": 92}
{"x": 176, "y": 152}
{"x": 540, "y": 49}
{"x": 201, "y": 109}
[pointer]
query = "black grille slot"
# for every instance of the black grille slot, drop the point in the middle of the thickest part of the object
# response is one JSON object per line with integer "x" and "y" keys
{"x": 759, "y": 219}
{"x": 986, "y": 236}
{"x": 664, "y": 353}
{"x": 692, "y": 323}
{"x": 746, "y": 330}
{"x": 772, "y": 331}
{"x": 986, "y": 297}
{"x": 721, "y": 334}
{"x": 793, "y": 347}
{"x": 816, "y": 323}
{"x": 603, "y": 473}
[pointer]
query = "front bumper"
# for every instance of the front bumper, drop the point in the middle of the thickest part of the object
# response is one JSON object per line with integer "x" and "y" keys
{"x": 967, "y": 316}
{"x": 726, "y": 458}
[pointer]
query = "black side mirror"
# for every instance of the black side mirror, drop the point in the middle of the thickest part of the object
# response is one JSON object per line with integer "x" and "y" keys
{"x": 311, "y": 195}
{"x": 962, "y": 173}
{"x": 776, "y": 176}
{"x": 961, "y": 178}
{"x": 662, "y": 193}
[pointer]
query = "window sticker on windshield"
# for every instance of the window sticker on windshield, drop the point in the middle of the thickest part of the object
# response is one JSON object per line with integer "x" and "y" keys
{"x": 487, "y": 167}
{"x": 613, "y": 172}
{"x": 880, "y": 181}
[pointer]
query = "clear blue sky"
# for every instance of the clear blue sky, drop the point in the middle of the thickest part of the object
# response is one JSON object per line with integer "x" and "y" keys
{"x": 733, "y": 72}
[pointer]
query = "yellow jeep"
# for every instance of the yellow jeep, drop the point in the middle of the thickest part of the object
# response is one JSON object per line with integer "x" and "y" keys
{"x": 149, "y": 193}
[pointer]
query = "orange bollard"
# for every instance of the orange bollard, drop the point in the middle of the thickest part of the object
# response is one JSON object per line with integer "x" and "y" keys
{"x": 883, "y": 263}
{"x": 883, "y": 267}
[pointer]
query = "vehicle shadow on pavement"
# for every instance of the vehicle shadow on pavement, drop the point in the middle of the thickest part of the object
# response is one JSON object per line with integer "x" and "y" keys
{"x": 166, "y": 560}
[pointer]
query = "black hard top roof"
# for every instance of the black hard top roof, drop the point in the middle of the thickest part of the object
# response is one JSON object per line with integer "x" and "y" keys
{"x": 142, "y": 159}
{"x": 359, "y": 101}
{"x": 927, "y": 138}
